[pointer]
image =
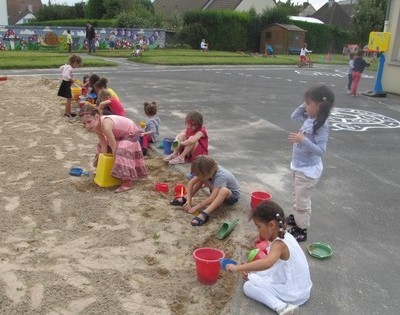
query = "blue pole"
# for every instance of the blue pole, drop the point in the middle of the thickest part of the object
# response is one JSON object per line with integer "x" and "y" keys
{"x": 378, "y": 82}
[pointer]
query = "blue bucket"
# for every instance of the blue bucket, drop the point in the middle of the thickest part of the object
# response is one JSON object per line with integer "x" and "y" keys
{"x": 167, "y": 142}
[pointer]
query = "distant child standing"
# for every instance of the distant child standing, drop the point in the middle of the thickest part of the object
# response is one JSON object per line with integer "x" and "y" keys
{"x": 69, "y": 40}
{"x": 74, "y": 61}
{"x": 151, "y": 131}
{"x": 309, "y": 145}
{"x": 281, "y": 280}
{"x": 193, "y": 141}
{"x": 350, "y": 73}
{"x": 117, "y": 135}
{"x": 112, "y": 40}
{"x": 223, "y": 186}
{"x": 359, "y": 66}
{"x": 109, "y": 105}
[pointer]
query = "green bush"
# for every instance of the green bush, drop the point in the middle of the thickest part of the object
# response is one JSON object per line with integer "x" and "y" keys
{"x": 74, "y": 23}
{"x": 323, "y": 38}
{"x": 223, "y": 30}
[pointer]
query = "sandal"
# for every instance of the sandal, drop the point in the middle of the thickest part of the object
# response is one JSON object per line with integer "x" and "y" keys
{"x": 196, "y": 221}
{"x": 123, "y": 187}
{"x": 170, "y": 157}
{"x": 177, "y": 160}
{"x": 290, "y": 220}
{"x": 69, "y": 115}
{"x": 177, "y": 202}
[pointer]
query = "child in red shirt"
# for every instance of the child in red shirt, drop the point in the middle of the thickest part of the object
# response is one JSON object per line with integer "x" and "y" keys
{"x": 193, "y": 141}
{"x": 110, "y": 105}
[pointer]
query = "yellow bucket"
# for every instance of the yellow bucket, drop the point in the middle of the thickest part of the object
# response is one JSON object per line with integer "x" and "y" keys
{"x": 76, "y": 92}
{"x": 103, "y": 176}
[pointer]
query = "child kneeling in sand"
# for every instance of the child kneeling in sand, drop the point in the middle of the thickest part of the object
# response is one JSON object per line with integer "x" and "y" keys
{"x": 281, "y": 280}
{"x": 223, "y": 186}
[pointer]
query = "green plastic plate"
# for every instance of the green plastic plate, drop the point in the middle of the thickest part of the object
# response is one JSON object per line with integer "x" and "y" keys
{"x": 320, "y": 250}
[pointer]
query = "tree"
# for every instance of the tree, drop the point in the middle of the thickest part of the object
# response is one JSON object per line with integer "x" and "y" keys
{"x": 370, "y": 17}
{"x": 95, "y": 9}
{"x": 114, "y": 7}
{"x": 141, "y": 16}
{"x": 60, "y": 12}
{"x": 291, "y": 8}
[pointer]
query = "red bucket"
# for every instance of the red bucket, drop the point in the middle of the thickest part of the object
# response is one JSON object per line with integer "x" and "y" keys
{"x": 162, "y": 187}
{"x": 180, "y": 190}
{"x": 207, "y": 264}
{"x": 259, "y": 196}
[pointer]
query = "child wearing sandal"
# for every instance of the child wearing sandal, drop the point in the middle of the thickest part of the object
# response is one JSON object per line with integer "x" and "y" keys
{"x": 74, "y": 61}
{"x": 117, "y": 135}
{"x": 309, "y": 145}
{"x": 193, "y": 141}
{"x": 151, "y": 130}
{"x": 223, "y": 186}
{"x": 281, "y": 280}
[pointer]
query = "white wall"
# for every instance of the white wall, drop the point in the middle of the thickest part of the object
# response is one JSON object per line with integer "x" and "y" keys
{"x": 391, "y": 70}
{"x": 258, "y": 5}
{"x": 3, "y": 12}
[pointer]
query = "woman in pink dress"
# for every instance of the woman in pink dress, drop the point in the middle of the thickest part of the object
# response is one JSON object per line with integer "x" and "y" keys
{"x": 117, "y": 135}
{"x": 193, "y": 141}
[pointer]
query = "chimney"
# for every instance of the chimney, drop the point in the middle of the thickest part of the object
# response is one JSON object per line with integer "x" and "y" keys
{"x": 30, "y": 7}
{"x": 331, "y": 2}
{"x": 305, "y": 5}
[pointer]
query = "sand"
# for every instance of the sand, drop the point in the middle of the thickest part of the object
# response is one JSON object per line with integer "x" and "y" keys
{"x": 71, "y": 247}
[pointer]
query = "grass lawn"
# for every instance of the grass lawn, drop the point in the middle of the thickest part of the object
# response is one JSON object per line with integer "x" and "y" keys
{"x": 196, "y": 57}
{"x": 173, "y": 57}
{"x": 40, "y": 59}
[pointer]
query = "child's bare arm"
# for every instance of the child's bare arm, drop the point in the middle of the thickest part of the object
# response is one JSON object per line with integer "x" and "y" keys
{"x": 188, "y": 205}
{"x": 103, "y": 143}
{"x": 278, "y": 250}
{"x": 206, "y": 202}
{"x": 104, "y": 104}
{"x": 193, "y": 139}
{"x": 107, "y": 129}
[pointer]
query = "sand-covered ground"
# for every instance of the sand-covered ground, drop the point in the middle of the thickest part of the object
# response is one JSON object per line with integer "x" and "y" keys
{"x": 71, "y": 247}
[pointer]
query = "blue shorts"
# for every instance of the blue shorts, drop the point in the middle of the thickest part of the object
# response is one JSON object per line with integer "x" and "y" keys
{"x": 231, "y": 200}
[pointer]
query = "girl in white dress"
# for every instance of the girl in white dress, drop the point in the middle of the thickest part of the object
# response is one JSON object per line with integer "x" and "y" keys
{"x": 281, "y": 280}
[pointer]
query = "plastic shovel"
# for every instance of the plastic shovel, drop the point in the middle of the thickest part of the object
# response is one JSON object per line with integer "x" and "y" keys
{"x": 226, "y": 228}
{"x": 226, "y": 261}
{"x": 78, "y": 171}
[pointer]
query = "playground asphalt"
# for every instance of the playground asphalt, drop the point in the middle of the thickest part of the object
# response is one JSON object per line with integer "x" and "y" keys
{"x": 247, "y": 114}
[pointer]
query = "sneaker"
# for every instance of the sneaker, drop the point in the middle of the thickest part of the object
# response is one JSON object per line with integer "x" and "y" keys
{"x": 290, "y": 220}
{"x": 299, "y": 234}
{"x": 289, "y": 309}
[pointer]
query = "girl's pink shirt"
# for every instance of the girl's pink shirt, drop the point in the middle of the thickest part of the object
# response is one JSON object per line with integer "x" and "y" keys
{"x": 116, "y": 106}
